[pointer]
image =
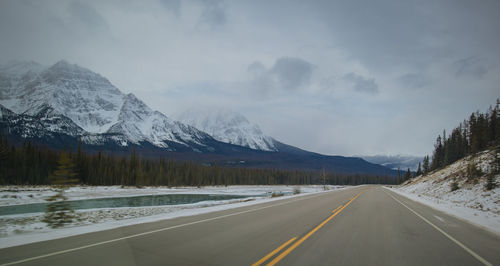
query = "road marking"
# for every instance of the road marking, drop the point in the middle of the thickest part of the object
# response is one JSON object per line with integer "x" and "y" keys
{"x": 439, "y": 218}
{"x": 337, "y": 209}
{"x": 156, "y": 231}
{"x": 474, "y": 254}
{"x": 274, "y": 252}
{"x": 296, "y": 244}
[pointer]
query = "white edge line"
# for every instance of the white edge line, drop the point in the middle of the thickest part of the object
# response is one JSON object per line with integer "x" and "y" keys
{"x": 474, "y": 254}
{"x": 157, "y": 230}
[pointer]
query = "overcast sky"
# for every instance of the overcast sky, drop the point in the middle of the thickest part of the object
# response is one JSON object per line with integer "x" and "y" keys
{"x": 336, "y": 77}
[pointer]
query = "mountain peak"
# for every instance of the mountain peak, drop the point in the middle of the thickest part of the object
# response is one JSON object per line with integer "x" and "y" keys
{"x": 227, "y": 126}
{"x": 64, "y": 66}
{"x": 63, "y": 62}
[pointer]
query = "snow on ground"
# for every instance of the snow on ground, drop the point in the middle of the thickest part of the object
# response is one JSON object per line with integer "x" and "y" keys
{"x": 27, "y": 228}
{"x": 12, "y": 195}
{"x": 471, "y": 201}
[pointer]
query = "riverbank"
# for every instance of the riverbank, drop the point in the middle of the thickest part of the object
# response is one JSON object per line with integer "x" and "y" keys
{"x": 26, "y": 228}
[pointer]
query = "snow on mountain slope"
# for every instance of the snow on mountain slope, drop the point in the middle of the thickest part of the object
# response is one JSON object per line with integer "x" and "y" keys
{"x": 402, "y": 162}
{"x": 83, "y": 96}
{"x": 470, "y": 200}
{"x": 16, "y": 79}
{"x": 91, "y": 102}
{"x": 227, "y": 126}
{"x": 139, "y": 123}
{"x": 44, "y": 124}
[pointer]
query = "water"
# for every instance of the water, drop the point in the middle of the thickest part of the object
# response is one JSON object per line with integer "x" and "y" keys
{"x": 139, "y": 201}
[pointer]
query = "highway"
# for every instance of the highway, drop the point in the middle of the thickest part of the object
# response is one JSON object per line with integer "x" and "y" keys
{"x": 364, "y": 225}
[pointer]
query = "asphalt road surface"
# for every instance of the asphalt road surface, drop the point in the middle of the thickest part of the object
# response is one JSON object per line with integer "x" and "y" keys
{"x": 365, "y": 225}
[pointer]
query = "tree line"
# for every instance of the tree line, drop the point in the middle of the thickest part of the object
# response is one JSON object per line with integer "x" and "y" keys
{"x": 30, "y": 164}
{"x": 478, "y": 133}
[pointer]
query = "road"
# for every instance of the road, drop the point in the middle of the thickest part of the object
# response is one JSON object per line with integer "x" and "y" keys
{"x": 365, "y": 225}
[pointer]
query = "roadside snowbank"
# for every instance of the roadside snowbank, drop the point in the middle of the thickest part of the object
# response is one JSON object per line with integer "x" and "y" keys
{"x": 27, "y": 228}
{"x": 471, "y": 201}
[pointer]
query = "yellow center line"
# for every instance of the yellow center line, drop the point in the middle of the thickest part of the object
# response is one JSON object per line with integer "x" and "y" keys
{"x": 337, "y": 209}
{"x": 296, "y": 244}
{"x": 274, "y": 252}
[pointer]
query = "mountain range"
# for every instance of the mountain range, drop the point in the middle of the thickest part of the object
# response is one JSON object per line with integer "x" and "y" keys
{"x": 395, "y": 162}
{"x": 62, "y": 104}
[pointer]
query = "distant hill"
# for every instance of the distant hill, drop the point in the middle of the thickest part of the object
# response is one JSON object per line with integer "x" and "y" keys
{"x": 402, "y": 162}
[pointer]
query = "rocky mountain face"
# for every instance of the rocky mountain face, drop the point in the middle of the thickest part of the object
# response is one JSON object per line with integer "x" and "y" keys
{"x": 82, "y": 103}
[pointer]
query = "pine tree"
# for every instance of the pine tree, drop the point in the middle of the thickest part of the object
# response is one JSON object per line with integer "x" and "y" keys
{"x": 497, "y": 123}
{"x": 426, "y": 165}
{"x": 408, "y": 174}
{"x": 59, "y": 211}
{"x": 419, "y": 170}
{"x": 399, "y": 180}
{"x": 438, "y": 156}
{"x": 323, "y": 179}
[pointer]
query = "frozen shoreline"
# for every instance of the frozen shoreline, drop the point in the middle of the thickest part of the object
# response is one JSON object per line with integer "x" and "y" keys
{"x": 15, "y": 195}
{"x": 23, "y": 229}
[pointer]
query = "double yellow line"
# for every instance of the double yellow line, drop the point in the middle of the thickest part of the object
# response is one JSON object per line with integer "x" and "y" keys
{"x": 296, "y": 244}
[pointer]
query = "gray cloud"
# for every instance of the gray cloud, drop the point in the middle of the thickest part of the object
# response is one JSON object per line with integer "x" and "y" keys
{"x": 470, "y": 66}
{"x": 86, "y": 14}
{"x": 287, "y": 74}
{"x": 414, "y": 80}
{"x": 292, "y": 73}
{"x": 362, "y": 84}
{"x": 173, "y": 6}
{"x": 387, "y": 34}
{"x": 213, "y": 14}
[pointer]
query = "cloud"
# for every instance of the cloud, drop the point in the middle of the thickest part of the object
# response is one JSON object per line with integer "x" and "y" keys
{"x": 361, "y": 84}
{"x": 388, "y": 35}
{"x": 414, "y": 80}
{"x": 173, "y": 6}
{"x": 470, "y": 66}
{"x": 213, "y": 14}
{"x": 87, "y": 15}
{"x": 287, "y": 74}
{"x": 292, "y": 73}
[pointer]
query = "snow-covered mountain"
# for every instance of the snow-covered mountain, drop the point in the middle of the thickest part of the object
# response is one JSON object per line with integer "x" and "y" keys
{"x": 91, "y": 102}
{"x": 402, "y": 162}
{"x": 59, "y": 105}
{"x": 227, "y": 126}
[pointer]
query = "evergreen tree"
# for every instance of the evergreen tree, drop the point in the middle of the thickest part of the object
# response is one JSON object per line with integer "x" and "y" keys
{"x": 419, "y": 170}
{"x": 438, "y": 156}
{"x": 59, "y": 211}
{"x": 496, "y": 125}
{"x": 400, "y": 179}
{"x": 426, "y": 165}
{"x": 29, "y": 164}
{"x": 408, "y": 174}
{"x": 481, "y": 131}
